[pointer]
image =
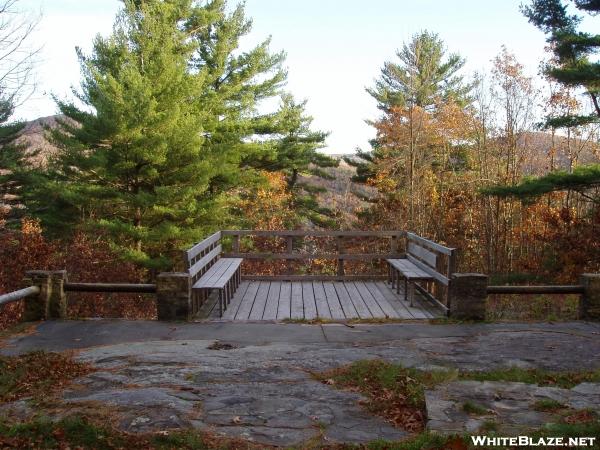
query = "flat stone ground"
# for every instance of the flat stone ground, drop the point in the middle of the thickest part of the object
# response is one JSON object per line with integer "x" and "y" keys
{"x": 157, "y": 376}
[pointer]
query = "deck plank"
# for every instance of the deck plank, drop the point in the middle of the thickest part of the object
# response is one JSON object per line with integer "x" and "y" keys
{"x": 361, "y": 307}
{"x": 333, "y": 301}
{"x": 308, "y": 297}
{"x": 323, "y": 310}
{"x": 247, "y": 301}
{"x": 345, "y": 301}
{"x": 297, "y": 310}
{"x": 383, "y": 302}
{"x": 370, "y": 301}
{"x": 258, "y": 309}
{"x": 272, "y": 305}
{"x": 236, "y": 301}
{"x": 396, "y": 300}
{"x": 415, "y": 312}
{"x": 284, "y": 307}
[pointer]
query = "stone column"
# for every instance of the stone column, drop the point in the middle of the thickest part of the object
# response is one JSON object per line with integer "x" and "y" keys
{"x": 589, "y": 304}
{"x": 57, "y": 301}
{"x": 467, "y": 296}
{"x": 36, "y": 306}
{"x": 174, "y": 296}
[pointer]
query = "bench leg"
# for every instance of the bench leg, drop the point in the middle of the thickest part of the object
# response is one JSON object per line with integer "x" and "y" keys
{"x": 411, "y": 294}
{"x": 221, "y": 294}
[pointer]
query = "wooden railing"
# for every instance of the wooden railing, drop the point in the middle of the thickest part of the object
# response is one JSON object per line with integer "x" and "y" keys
{"x": 294, "y": 250}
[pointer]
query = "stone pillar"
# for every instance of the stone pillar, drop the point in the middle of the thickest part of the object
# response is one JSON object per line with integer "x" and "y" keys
{"x": 589, "y": 304}
{"x": 36, "y": 306}
{"x": 174, "y": 296}
{"x": 57, "y": 301}
{"x": 467, "y": 296}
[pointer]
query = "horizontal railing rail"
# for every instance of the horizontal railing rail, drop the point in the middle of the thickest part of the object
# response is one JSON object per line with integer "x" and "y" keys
{"x": 309, "y": 256}
{"x": 111, "y": 287}
{"x": 554, "y": 289}
{"x": 19, "y": 295}
{"x": 316, "y": 233}
{"x": 295, "y": 249}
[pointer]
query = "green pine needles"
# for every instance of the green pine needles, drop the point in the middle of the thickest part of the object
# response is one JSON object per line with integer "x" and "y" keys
{"x": 581, "y": 179}
{"x": 166, "y": 128}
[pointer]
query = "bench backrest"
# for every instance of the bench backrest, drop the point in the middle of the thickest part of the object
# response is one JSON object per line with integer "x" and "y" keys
{"x": 202, "y": 256}
{"x": 428, "y": 255}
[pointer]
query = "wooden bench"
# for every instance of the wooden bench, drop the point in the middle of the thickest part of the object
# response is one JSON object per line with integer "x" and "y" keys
{"x": 421, "y": 264}
{"x": 210, "y": 272}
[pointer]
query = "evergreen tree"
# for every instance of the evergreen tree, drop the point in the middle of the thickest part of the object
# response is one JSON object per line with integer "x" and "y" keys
{"x": 424, "y": 76}
{"x": 410, "y": 93}
{"x": 131, "y": 162}
{"x": 241, "y": 132}
{"x": 11, "y": 155}
{"x": 172, "y": 125}
{"x": 294, "y": 152}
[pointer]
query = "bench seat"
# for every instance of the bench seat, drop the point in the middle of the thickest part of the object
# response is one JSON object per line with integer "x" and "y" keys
{"x": 410, "y": 272}
{"x": 219, "y": 274}
{"x": 225, "y": 275}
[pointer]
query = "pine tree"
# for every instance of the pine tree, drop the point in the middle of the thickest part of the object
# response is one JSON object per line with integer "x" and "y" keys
{"x": 173, "y": 125}
{"x": 294, "y": 152}
{"x": 424, "y": 81}
{"x": 241, "y": 132}
{"x": 12, "y": 158}
{"x": 424, "y": 76}
{"x": 131, "y": 162}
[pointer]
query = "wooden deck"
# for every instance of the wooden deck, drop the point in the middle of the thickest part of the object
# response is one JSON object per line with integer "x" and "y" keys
{"x": 310, "y": 300}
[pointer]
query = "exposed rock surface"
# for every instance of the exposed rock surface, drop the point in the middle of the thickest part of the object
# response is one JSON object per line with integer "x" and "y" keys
{"x": 511, "y": 407}
{"x": 256, "y": 383}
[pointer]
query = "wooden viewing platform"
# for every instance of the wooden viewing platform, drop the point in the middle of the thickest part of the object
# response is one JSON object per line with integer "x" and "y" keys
{"x": 322, "y": 300}
{"x": 258, "y": 275}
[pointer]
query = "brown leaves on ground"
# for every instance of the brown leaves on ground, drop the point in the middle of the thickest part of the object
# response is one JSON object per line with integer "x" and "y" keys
{"x": 391, "y": 392}
{"x": 582, "y": 416}
{"x": 38, "y": 374}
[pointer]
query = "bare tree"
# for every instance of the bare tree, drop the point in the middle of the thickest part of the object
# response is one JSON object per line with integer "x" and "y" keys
{"x": 17, "y": 56}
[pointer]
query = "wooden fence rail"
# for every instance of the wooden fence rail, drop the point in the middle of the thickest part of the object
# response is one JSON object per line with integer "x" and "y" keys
{"x": 111, "y": 287}
{"x": 556, "y": 289}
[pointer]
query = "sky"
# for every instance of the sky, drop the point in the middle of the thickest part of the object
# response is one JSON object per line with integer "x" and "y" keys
{"x": 335, "y": 48}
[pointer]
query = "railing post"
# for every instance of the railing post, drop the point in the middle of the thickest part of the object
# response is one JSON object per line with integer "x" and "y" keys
{"x": 236, "y": 243}
{"x": 340, "y": 250}
{"x": 290, "y": 250}
{"x": 174, "y": 296}
{"x": 394, "y": 245}
{"x": 467, "y": 296}
{"x": 589, "y": 304}
{"x": 36, "y": 307}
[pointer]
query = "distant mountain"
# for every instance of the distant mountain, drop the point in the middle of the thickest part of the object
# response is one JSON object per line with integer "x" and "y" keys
{"x": 34, "y": 137}
{"x": 543, "y": 152}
